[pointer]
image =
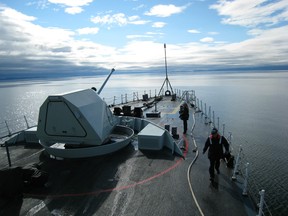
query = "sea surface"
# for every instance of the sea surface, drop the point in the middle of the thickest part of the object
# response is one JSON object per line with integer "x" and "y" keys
{"x": 253, "y": 106}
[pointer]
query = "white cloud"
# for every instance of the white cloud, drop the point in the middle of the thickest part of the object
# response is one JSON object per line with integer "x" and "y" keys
{"x": 158, "y": 24}
{"x": 9, "y": 12}
{"x": 73, "y": 10}
{"x": 252, "y": 13}
{"x": 41, "y": 4}
{"x": 165, "y": 10}
{"x": 85, "y": 31}
{"x": 72, "y": 6}
{"x": 207, "y": 40}
{"x": 139, "y": 7}
{"x": 137, "y": 36}
{"x": 119, "y": 19}
{"x": 71, "y": 3}
{"x": 255, "y": 32}
{"x": 154, "y": 33}
{"x": 22, "y": 40}
{"x": 137, "y": 21}
{"x": 213, "y": 33}
{"x": 194, "y": 31}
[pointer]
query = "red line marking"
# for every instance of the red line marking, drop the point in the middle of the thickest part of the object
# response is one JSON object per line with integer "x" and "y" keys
{"x": 122, "y": 187}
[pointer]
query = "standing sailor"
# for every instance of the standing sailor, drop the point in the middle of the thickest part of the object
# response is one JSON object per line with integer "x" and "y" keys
{"x": 215, "y": 143}
{"x": 184, "y": 116}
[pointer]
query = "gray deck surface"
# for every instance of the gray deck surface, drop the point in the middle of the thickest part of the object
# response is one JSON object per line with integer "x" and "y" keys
{"x": 131, "y": 182}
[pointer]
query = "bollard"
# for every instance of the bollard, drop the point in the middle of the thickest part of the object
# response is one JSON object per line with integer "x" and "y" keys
{"x": 167, "y": 127}
{"x": 174, "y": 131}
{"x": 235, "y": 171}
{"x": 245, "y": 190}
{"x": 261, "y": 193}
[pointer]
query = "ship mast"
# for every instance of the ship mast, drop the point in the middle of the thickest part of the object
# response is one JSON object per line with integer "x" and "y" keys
{"x": 167, "y": 92}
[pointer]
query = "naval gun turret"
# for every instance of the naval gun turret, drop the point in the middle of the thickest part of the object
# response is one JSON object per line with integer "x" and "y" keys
{"x": 80, "y": 124}
{"x": 77, "y": 118}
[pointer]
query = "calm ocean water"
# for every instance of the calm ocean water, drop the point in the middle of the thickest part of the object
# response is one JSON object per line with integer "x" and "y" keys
{"x": 253, "y": 106}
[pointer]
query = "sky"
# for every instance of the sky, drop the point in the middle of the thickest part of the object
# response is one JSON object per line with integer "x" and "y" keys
{"x": 47, "y": 37}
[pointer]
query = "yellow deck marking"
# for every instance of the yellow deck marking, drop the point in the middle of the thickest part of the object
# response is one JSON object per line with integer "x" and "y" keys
{"x": 176, "y": 109}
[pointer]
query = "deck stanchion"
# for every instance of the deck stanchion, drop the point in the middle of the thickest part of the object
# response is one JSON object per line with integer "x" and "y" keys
{"x": 187, "y": 96}
{"x": 209, "y": 115}
{"x": 261, "y": 193}
{"x": 218, "y": 122}
{"x": 230, "y": 138}
{"x": 205, "y": 113}
{"x": 223, "y": 129}
{"x": 235, "y": 171}
{"x": 126, "y": 100}
{"x": 8, "y": 155}
{"x": 213, "y": 113}
{"x": 9, "y": 132}
{"x": 245, "y": 190}
{"x": 201, "y": 107}
{"x": 114, "y": 99}
{"x": 26, "y": 122}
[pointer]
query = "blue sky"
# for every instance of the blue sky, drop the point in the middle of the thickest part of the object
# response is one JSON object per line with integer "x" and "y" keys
{"x": 59, "y": 36}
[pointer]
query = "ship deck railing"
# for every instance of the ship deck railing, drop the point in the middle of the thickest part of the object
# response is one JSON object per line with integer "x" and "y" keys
{"x": 11, "y": 127}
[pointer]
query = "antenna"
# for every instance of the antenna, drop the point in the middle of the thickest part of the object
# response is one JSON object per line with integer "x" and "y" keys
{"x": 167, "y": 92}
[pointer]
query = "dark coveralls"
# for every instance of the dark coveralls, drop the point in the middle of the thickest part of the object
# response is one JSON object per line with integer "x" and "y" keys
{"x": 184, "y": 115}
{"x": 215, "y": 144}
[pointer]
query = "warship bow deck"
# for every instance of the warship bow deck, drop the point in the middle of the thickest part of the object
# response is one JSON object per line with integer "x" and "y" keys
{"x": 131, "y": 181}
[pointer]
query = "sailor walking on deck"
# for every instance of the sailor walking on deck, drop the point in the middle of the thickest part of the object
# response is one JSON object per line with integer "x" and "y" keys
{"x": 184, "y": 116}
{"x": 215, "y": 143}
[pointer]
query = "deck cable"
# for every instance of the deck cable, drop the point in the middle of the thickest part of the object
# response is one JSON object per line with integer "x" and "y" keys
{"x": 190, "y": 167}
